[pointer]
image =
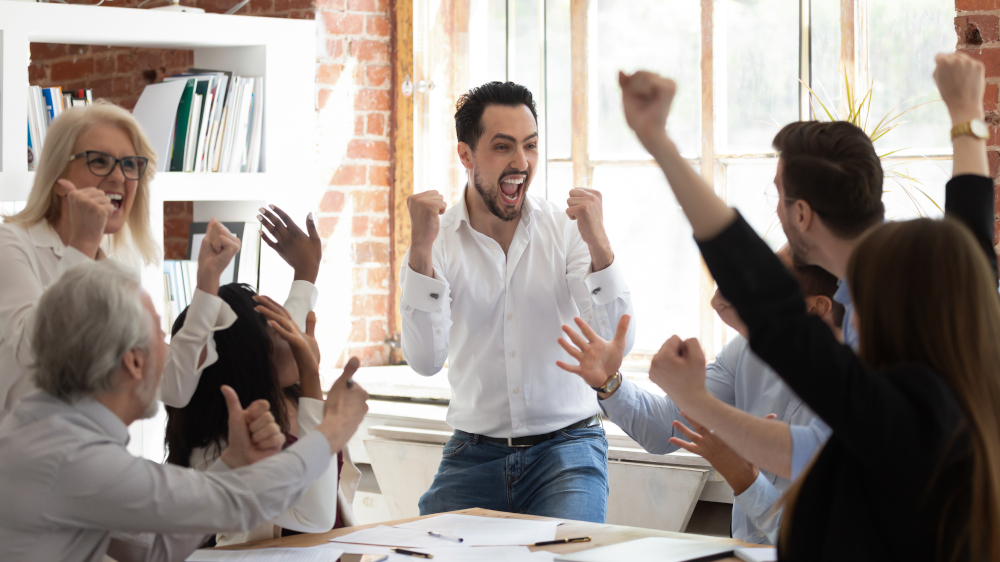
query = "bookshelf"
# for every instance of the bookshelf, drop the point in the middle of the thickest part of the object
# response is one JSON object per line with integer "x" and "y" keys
{"x": 281, "y": 50}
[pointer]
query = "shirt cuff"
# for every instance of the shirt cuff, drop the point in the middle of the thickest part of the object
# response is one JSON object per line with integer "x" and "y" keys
{"x": 621, "y": 402}
{"x": 302, "y": 298}
{"x": 607, "y": 284}
{"x": 218, "y": 466}
{"x": 314, "y": 450}
{"x": 757, "y": 500}
{"x": 310, "y": 414}
{"x": 421, "y": 292}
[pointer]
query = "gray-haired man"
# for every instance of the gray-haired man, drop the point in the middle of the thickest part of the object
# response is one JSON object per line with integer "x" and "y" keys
{"x": 71, "y": 491}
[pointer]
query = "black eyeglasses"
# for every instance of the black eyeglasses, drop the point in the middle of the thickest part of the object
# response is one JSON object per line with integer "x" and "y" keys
{"x": 102, "y": 164}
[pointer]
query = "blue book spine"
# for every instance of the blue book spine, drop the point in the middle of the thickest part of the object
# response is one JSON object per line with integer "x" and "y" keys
{"x": 49, "y": 104}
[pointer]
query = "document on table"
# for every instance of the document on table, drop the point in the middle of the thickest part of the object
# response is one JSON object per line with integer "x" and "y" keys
{"x": 324, "y": 553}
{"x": 487, "y": 531}
{"x": 394, "y": 536}
{"x": 478, "y": 554}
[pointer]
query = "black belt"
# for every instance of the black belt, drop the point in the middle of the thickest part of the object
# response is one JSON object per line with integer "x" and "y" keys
{"x": 532, "y": 440}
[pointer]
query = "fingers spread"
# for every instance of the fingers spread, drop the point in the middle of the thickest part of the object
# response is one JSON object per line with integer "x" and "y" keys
{"x": 311, "y": 324}
{"x": 575, "y": 337}
{"x": 587, "y": 331}
{"x": 575, "y": 369}
{"x": 697, "y": 426}
{"x": 688, "y": 432}
{"x": 573, "y": 352}
{"x": 691, "y": 447}
{"x": 621, "y": 334}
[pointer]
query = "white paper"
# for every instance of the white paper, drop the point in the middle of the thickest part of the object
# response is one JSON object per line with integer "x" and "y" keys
{"x": 478, "y": 554}
{"x": 487, "y": 531}
{"x": 156, "y": 111}
{"x": 322, "y": 553}
{"x": 394, "y": 536}
{"x": 757, "y": 554}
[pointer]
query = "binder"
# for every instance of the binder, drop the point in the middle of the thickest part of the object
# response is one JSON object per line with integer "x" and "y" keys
{"x": 181, "y": 130}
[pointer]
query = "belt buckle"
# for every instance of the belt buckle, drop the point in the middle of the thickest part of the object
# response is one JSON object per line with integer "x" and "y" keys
{"x": 510, "y": 443}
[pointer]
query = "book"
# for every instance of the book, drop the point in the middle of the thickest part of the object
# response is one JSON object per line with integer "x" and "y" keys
{"x": 159, "y": 124}
{"x": 192, "y": 138}
{"x": 181, "y": 129}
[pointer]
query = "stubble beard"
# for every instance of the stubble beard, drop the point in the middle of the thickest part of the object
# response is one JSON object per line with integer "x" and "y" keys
{"x": 491, "y": 195}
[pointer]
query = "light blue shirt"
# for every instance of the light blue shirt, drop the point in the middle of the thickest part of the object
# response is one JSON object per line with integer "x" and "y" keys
{"x": 738, "y": 378}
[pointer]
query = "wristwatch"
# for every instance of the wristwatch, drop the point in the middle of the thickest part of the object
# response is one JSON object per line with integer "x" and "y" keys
{"x": 973, "y": 127}
{"x": 612, "y": 385}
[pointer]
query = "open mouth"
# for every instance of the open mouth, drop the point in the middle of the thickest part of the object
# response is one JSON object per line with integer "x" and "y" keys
{"x": 116, "y": 200}
{"x": 510, "y": 189}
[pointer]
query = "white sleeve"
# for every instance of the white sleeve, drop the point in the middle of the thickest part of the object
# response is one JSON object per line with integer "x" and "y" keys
{"x": 601, "y": 296}
{"x": 206, "y": 315}
{"x": 316, "y": 512}
{"x": 425, "y": 308}
{"x": 301, "y": 299}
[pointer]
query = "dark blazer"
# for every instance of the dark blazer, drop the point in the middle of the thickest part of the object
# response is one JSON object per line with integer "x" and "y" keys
{"x": 866, "y": 496}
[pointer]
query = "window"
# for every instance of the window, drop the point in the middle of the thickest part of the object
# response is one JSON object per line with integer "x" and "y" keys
{"x": 738, "y": 64}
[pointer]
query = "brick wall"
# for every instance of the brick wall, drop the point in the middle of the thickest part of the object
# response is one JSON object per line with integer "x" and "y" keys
{"x": 353, "y": 89}
{"x": 177, "y": 219}
{"x": 977, "y": 24}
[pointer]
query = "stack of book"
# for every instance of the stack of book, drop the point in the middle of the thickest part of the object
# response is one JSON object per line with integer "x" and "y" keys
{"x": 44, "y": 105}
{"x": 219, "y": 123}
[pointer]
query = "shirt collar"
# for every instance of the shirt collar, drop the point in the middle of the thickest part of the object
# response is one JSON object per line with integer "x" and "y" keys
{"x": 459, "y": 212}
{"x": 843, "y": 294}
{"x": 44, "y": 236}
{"x": 104, "y": 418}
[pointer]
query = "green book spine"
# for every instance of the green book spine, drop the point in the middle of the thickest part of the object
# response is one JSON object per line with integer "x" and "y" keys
{"x": 181, "y": 127}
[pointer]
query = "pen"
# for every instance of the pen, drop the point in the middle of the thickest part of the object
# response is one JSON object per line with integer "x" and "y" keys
{"x": 561, "y": 541}
{"x": 412, "y": 553}
{"x": 445, "y": 536}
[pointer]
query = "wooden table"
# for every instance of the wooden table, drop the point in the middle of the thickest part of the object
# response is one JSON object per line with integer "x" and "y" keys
{"x": 603, "y": 535}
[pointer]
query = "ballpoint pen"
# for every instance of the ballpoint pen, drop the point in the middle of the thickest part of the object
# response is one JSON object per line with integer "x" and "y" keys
{"x": 445, "y": 536}
{"x": 412, "y": 553}
{"x": 561, "y": 541}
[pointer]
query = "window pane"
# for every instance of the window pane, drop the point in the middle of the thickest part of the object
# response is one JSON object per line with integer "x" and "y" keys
{"x": 750, "y": 189}
{"x": 756, "y": 72}
{"x": 827, "y": 75}
{"x": 663, "y": 37}
{"x": 915, "y": 188}
{"x": 558, "y": 96}
{"x": 902, "y": 77}
{"x": 560, "y": 182}
{"x": 652, "y": 238}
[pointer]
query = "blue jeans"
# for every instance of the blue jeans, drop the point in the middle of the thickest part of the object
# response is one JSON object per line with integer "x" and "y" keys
{"x": 564, "y": 477}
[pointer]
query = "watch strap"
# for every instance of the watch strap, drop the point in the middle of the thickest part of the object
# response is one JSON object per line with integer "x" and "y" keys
{"x": 604, "y": 388}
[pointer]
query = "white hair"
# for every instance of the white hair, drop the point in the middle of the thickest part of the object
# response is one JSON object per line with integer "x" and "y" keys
{"x": 86, "y": 322}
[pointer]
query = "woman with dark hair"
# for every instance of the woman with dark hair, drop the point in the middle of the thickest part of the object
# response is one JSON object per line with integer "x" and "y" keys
{"x": 912, "y": 469}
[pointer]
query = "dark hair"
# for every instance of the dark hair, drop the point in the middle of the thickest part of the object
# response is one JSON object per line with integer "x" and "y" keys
{"x": 818, "y": 282}
{"x": 244, "y": 364}
{"x": 833, "y": 167}
{"x": 471, "y": 105}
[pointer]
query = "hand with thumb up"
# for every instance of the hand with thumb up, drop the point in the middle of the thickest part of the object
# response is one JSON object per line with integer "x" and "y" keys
{"x": 253, "y": 433}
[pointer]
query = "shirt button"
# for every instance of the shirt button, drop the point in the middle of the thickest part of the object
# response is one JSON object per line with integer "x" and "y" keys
{"x": 517, "y": 390}
{"x": 513, "y": 354}
{"x": 603, "y": 323}
{"x": 509, "y": 316}
{"x": 437, "y": 331}
{"x": 518, "y": 426}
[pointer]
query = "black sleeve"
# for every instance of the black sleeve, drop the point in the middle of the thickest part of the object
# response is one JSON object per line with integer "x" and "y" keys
{"x": 969, "y": 200}
{"x": 863, "y": 407}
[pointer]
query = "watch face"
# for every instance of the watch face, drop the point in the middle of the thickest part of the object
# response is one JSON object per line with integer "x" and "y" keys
{"x": 979, "y": 128}
{"x": 613, "y": 384}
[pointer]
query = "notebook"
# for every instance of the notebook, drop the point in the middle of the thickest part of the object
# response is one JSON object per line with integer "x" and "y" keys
{"x": 652, "y": 549}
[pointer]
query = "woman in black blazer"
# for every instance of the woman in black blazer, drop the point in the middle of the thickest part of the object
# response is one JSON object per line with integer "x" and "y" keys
{"x": 912, "y": 470}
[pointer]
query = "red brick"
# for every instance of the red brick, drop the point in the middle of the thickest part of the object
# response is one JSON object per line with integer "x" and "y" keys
{"x": 369, "y": 355}
{"x": 378, "y": 75}
{"x": 987, "y": 25}
{"x": 376, "y": 124}
{"x": 71, "y": 70}
{"x": 359, "y": 276}
{"x": 382, "y": 6}
{"x": 377, "y": 25}
{"x": 361, "y": 5}
{"x": 46, "y": 51}
{"x": 178, "y": 58}
{"x": 178, "y": 209}
{"x": 104, "y": 88}
{"x": 331, "y": 5}
{"x": 379, "y": 227}
{"x": 327, "y": 225}
{"x": 359, "y": 225}
{"x": 349, "y": 175}
{"x": 370, "y": 201}
{"x": 322, "y": 96}
{"x": 370, "y": 51}
{"x": 126, "y": 62}
{"x": 100, "y": 48}
{"x": 104, "y": 64}
{"x": 359, "y": 125}
{"x": 258, "y": 7}
{"x": 359, "y": 76}
{"x": 329, "y": 73}
{"x": 378, "y": 278}
{"x": 989, "y": 57}
{"x": 358, "y": 333}
{"x": 369, "y": 305}
{"x": 176, "y": 228}
{"x": 994, "y": 160}
{"x": 330, "y": 49}
{"x": 289, "y": 5}
{"x": 175, "y": 249}
{"x": 332, "y": 202}
{"x": 371, "y": 100}
{"x": 376, "y": 331}
{"x": 371, "y": 252}
{"x": 343, "y": 23}
{"x": 991, "y": 97}
{"x": 77, "y": 50}
{"x": 976, "y": 5}
{"x": 303, "y": 14}
{"x": 378, "y": 175}
{"x": 370, "y": 149}
{"x": 36, "y": 73}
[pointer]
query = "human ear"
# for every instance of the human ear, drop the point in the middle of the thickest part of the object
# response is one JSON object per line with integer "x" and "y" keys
{"x": 465, "y": 155}
{"x": 803, "y": 214}
{"x": 819, "y": 305}
{"x": 133, "y": 363}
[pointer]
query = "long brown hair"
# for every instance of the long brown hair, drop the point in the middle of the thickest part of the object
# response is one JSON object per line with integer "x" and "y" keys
{"x": 946, "y": 318}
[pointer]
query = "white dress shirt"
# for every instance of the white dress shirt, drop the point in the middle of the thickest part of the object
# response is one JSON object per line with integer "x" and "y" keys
{"x": 34, "y": 257}
{"x": 496, "y": 319}
{"x": 71, "y": 491}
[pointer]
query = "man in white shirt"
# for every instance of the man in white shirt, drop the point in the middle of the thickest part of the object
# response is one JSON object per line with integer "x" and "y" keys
{"x": 486, "y": 287}
{"x": 71, "y": 491}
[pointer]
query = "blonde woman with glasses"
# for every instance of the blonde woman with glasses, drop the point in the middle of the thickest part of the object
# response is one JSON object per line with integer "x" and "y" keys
{"x": 90, "y": 201}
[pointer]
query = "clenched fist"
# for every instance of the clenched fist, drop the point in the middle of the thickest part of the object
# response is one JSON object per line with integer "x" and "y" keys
{"x": 586, "y": 207}
{"x": 679, "y": 369}
{"x": 217, "y": 249}
{"x": 961, "y": 80}
{"x": 89, "y": 209}
{"x": 647, "y": 98}
{"x": 425, "y": 211}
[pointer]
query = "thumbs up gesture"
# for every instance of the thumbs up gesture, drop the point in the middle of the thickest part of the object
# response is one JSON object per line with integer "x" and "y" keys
{"x": 253, "y": 433}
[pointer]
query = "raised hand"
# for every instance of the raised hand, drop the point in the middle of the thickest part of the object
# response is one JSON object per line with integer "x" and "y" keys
{"x": 599, "y": 359}
{"x": 737, "y": 471}
{"x": 585, "y": 206}
{"x": 425, "y": 210}
{"x": 301, "y": 251}
{"x": 679, "y": 369}
{"x": 304, "y": 347}
{"x": 253, "y": 433}
{"x": 217, "y": 249}
{"x": 345, "y": 407}
{"x": 961, "y": 80}
{"x": 89, "y": 209}
{"x": 646, "y": 98}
